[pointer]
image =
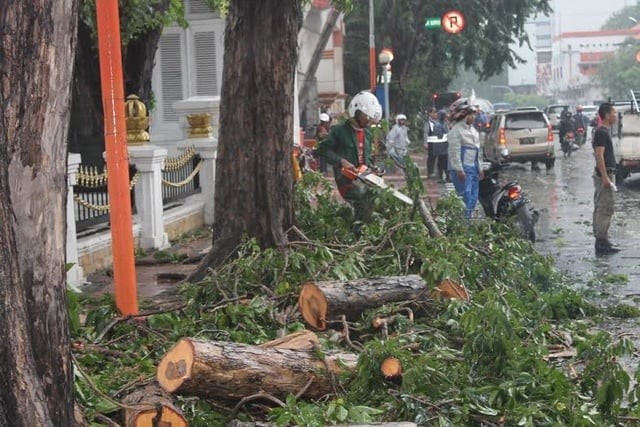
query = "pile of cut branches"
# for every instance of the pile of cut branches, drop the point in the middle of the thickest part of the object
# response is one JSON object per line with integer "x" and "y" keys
{"x": 512, "y": 345}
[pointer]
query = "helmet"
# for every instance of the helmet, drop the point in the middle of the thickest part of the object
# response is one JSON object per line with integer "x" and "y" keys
{"x": 400, "y": 117}
{"x": 324, "y": 117}
{"x": 366, "y": 102}
{"x": 461, "y": 109}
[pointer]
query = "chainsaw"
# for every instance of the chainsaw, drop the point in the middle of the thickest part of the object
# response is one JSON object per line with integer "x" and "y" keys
{"x": 372, "y": 178}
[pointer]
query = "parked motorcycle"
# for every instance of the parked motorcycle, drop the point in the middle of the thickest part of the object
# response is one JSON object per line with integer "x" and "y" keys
{"x": 504, "y": 201}
{"x": 568, "y": 143}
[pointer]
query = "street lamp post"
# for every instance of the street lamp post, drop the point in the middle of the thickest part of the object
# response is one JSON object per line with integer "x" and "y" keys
{"x": 385, "y": 57}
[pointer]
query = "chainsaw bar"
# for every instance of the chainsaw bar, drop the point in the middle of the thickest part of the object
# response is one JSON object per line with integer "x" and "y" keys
{"x": 377, "y": 181}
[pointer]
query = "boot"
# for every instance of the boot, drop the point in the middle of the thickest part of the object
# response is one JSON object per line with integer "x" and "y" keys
{"x": 604, "y": 247}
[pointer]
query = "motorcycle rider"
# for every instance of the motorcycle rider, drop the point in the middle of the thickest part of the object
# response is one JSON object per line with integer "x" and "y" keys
{"x": 567, "y": 124}
{"x": 581, "y": 122}
{"x": 398, "y": 141}
{"x": 464, "y": 147}
{"x": 348, "y": 146}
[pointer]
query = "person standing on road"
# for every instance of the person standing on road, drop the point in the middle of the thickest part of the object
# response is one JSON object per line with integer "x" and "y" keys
{"x": 464, "y": 147}
{"x": 347, "y": 147}
{"x": 322, "y": 131}
{"x": 429, "y": 129}
{"x": 398, "y": 141}
{"x": 604, "y": 180}
{"x": 441, "y": 149}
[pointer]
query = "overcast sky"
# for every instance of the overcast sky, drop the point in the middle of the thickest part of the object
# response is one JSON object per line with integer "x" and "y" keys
{"x": 585, "y": 15}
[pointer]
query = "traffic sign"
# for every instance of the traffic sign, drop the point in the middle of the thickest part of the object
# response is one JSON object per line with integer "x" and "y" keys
{"x": 433, "y": 22}
{"x": 453, "y": 21}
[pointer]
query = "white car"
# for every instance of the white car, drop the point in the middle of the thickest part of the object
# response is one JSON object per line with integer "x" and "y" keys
{"x": 627, "y": 147}
{"x": 590, "y": 111}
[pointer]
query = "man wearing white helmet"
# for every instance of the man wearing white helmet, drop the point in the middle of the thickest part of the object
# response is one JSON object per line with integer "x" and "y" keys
{"x": 398, "y": 141}
{"x": 348, "y": 146}
{"x": 464, "y": 148}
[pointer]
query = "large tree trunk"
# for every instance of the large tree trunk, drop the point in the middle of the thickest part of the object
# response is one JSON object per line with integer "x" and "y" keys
{"x": 86, "y": 134}
{"x": 37, "y": 40}
{"x": 254, "y": 178}
{"x": 216, "y": 369}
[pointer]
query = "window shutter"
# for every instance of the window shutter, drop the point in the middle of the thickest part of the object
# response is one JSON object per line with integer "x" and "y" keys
{"x": 170, "y": 74}
{"x": 198, "y": 6}
{"x": 206, "y": 63}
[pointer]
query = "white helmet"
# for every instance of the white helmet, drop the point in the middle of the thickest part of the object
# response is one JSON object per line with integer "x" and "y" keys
{"x": 366, "y": 102}
{"x": 400, "y": 117}
{"x": 324, "y": 117}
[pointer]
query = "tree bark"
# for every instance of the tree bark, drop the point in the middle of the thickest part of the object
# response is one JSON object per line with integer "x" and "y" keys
{"x": 226, "y": 370}
{"x": 323, "y": 301}
{"x": 86, "y": 134}
{"x": 37, "y": 41}
{"x": 154, "y": 407}
{"x": 429, "y": 222}
{"x": 254, "y": 178}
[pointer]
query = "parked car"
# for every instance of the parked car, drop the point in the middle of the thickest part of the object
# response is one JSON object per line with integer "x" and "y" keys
{"x": 502, "y": 106}
{"x": 590, "y": 111}
{"x": 527, "y": 135}
{"x": 554, "y": 113}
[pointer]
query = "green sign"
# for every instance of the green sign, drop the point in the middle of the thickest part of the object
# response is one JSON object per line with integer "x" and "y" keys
{"x": 433, "y": 22}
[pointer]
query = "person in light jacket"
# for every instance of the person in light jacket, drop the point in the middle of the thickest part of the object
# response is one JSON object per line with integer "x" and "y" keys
{"x": 464, "y": 149}
{"x": 398, "y": 141}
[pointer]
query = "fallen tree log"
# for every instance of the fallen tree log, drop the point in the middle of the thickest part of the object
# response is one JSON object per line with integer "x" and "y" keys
{"x": 213, "y": 369}
{"x": 321, "y": 301}
{"x": 152, "y": 406}
{"x": 301, "y": 340}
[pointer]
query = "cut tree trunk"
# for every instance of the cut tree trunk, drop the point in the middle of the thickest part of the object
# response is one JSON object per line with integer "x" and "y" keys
{"x": 152, "y": 406}
{"x": 37, "y": 39}
{"x": 226, "y": 370}
{"x": 323, "y": 301}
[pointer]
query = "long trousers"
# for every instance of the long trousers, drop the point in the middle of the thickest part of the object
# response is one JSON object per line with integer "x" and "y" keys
{"x": 603, "y": 202}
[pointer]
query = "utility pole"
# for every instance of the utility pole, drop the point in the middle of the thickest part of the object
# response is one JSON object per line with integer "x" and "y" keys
{"x": 372, "y": 50}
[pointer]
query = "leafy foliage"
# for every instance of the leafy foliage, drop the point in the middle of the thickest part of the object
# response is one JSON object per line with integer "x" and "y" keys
{"x": 463, "y": 363}
{"x": 427, "y": 60}
{"x": 620, "y": 19}
{"x": 620, "y": 73}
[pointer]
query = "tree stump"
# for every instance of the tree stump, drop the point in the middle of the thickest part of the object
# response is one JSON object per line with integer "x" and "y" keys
{"x": 213, "y": 369}
{"x": 321, "y": 301}
{"x": 152, "y": 406}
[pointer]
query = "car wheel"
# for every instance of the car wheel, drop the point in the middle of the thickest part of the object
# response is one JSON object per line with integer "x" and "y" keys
{"x": 549, "y": 163}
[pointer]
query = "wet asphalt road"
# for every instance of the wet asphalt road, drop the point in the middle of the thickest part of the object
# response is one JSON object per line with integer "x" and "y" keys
{"x": 564, "y": 198}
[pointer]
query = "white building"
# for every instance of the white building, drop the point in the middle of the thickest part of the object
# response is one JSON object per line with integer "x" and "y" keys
{"x": 576, "y": 58}
{"x": 189, "y": 64}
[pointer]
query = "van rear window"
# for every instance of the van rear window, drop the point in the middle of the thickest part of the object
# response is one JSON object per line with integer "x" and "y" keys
{"x": 525, "y": 121}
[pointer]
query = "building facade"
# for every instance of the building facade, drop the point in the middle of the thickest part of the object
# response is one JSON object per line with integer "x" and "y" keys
{"x": 189, "y": 63}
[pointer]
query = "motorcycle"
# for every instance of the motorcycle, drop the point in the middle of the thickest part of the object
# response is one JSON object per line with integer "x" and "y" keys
{"x": 568, "y": 143}
{"x": 502, "y": 202}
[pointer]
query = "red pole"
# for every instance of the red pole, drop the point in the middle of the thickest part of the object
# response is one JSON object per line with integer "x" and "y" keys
{"x": 115, "y": 132}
